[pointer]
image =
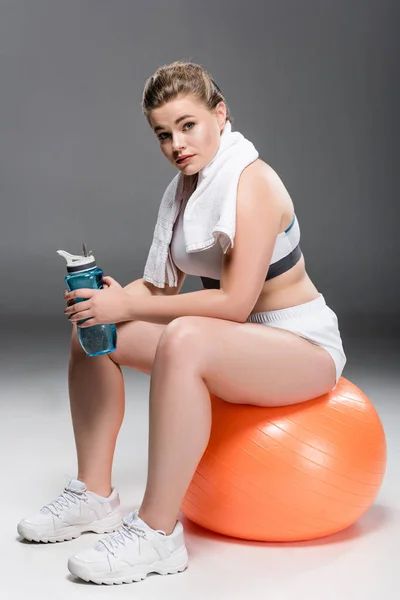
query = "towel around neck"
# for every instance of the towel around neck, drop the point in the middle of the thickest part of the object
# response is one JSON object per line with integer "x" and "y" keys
{"x": 210, "y": 214}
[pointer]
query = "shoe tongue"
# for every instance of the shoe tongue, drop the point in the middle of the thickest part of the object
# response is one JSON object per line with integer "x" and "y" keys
{"x": 134, "y": 518}
{"x": 76, "y": 485}
{"x": 130, "y": 518}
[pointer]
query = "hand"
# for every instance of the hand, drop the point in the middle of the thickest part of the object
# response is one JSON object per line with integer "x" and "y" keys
{"x": 109, "y": 305}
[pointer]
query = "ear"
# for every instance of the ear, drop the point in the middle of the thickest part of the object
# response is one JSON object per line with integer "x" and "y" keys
{"x": 221, "y": 114}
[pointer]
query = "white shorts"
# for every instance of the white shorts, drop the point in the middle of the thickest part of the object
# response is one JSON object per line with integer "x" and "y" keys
{"x": 313, "y": 321}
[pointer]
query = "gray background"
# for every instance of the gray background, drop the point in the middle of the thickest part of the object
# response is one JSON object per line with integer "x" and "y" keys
{"x": 313, "y": 84}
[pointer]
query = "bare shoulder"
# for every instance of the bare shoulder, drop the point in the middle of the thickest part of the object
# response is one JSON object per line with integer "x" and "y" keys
{"x": 260, "y": 182}
{"x": 258, "y": 168}
{"x": 259, "y": 173}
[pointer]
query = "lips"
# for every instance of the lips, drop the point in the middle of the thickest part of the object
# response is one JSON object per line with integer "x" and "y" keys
{"x": 184, "y": 158}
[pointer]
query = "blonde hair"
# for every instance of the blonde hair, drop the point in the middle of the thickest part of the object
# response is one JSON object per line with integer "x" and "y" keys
{"x": 181, "y": 77}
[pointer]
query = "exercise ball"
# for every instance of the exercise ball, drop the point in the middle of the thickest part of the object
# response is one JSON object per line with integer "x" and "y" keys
{"x": 290, "y": 473}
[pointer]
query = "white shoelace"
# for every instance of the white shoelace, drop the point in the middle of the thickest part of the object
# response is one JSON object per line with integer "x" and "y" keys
{"x": 127, "y": 532}
{"x": 64, "y": 499}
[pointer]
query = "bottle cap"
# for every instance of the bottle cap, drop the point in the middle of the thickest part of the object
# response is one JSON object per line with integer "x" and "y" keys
{"x": 77, "y": 262}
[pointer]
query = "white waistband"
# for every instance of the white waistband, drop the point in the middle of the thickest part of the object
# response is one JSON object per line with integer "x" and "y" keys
{"x": 300, "y": 310}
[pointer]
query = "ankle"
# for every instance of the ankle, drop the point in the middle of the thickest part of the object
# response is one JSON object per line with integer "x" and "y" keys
{"x": 104, "y": 492}
{"x": 99, "y": 488}
{"x": 165, "y": 525}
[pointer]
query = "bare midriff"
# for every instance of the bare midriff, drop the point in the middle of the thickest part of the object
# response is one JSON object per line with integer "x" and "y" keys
{"x": 292, "y": 288}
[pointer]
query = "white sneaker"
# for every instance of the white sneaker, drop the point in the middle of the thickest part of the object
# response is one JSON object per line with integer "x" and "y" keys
{"x": 74, "y": 511}
{"x": 131, "y": 553}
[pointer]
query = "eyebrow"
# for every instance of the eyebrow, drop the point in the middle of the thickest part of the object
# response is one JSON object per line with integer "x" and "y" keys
{"x": 176, "y": 122}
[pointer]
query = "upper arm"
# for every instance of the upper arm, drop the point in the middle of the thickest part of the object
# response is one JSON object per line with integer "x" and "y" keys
{"x": 258, "y": 220}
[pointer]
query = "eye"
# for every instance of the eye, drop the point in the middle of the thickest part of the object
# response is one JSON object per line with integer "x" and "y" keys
{"x": 167, "y": 134}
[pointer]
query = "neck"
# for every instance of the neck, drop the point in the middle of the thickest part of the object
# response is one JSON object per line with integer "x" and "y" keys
{"x": 224, "y": 137}
{"x": 189, "y": 184}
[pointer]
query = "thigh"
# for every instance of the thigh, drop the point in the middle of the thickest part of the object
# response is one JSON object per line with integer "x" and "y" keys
{"x": 137, "y": 343}
{"x": 250, "y": 363}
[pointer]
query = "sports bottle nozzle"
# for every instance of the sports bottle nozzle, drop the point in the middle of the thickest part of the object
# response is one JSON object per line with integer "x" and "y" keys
{"x": 77, "y": 262}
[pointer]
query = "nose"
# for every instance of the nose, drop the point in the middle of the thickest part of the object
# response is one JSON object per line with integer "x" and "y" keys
{"x": 178, "y": 142}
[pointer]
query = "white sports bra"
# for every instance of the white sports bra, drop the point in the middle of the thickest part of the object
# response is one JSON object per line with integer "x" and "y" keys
{"x": 208, "y": 263}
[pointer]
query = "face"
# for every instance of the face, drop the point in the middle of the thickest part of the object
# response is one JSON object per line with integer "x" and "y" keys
{"x": 185, "y": 126}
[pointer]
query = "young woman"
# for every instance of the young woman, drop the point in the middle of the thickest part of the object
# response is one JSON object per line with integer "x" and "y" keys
{"x": 260, "y": 332}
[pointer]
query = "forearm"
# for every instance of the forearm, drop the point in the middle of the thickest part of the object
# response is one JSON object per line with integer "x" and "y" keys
{"x": 144, "y": 288}
{"x": 164, "y": 309}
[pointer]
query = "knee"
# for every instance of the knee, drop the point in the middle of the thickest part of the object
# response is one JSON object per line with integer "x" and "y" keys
{"x": 180, "y": 338}
{"x": 77, "y": 353}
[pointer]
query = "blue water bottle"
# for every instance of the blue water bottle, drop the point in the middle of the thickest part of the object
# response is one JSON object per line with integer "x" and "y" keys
{"x": 84, "y": 273}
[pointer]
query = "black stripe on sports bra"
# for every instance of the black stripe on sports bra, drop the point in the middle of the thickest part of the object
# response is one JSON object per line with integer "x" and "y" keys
{"x": 282, "y": 265}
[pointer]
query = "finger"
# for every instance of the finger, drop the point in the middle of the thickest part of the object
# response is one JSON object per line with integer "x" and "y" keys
{"x": 73, "y": 302}
{"x": 78, "y": 307}
{"x": 88, "y": 323}
{"x": 108, "y": 281}
{"x": 85, "y": 293}
{"x": 111, "y": 280}
{"x": 85, "y": 314}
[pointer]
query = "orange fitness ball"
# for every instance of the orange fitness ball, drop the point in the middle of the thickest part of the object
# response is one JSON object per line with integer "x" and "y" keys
{"x": 290, "y": 473}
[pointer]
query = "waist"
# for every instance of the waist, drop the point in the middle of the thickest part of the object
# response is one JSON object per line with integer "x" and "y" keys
{"x": 289, "y": 289}
{"x": 291, "y": 312}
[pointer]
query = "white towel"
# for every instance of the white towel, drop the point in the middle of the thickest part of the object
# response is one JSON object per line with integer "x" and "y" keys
{"x": 210, "y": 214}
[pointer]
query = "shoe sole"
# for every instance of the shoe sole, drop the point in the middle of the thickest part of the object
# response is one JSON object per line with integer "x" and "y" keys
{"x": 178, "y": 564}
{"x": 67, "y": 534}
